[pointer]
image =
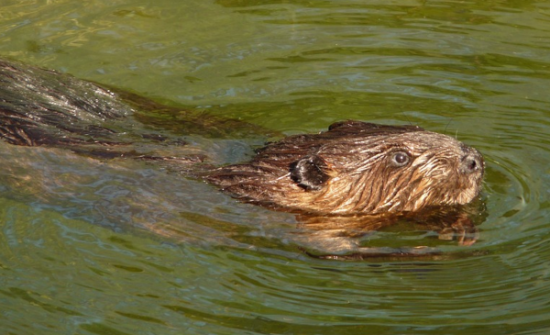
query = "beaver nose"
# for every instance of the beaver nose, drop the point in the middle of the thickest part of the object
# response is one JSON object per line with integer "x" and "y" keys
{"x": 471, "y": 162}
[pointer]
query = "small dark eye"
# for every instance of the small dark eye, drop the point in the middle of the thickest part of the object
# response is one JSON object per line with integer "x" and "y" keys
{"x": 400, "y": 159}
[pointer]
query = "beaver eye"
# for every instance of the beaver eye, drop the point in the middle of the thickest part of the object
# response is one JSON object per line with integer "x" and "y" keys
{"x": 400, "y": 158}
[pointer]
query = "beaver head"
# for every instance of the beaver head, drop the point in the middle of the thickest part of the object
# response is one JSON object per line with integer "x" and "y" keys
{"x": 357, "y": 167}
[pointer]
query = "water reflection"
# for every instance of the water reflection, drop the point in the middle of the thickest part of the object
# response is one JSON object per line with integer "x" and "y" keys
{"x": 477, "y": 70}
{"x": 347, "y": 237}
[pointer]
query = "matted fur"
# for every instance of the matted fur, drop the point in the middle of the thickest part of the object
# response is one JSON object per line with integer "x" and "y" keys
{"x": 358, "y": 167}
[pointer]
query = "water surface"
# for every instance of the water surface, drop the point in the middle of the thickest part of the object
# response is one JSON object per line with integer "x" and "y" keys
{"x": 83, "y": 243}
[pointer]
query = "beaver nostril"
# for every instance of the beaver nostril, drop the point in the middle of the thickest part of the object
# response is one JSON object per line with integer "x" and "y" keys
{"x": 470, "y": 164}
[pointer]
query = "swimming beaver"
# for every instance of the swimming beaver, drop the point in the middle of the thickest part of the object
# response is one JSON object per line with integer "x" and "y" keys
{"x": 358, "y": 167}
{"x": 355, "y": 177}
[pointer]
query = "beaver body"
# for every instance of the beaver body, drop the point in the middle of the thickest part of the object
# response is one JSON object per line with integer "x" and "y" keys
{"x": 43, "y": 107}
{"x": 40, "y": 107}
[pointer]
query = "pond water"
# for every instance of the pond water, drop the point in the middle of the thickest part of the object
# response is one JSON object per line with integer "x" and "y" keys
{"x": 87, "y": 247}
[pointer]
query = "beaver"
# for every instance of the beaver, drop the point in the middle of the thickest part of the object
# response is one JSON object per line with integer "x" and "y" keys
{"x": 354, "y": 178}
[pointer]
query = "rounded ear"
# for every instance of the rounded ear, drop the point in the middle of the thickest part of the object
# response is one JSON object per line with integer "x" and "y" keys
{"x": 310, "y": 173}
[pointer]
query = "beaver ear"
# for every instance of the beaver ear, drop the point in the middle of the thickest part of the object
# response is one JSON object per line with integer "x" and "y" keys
{"x": 310, "y": 173}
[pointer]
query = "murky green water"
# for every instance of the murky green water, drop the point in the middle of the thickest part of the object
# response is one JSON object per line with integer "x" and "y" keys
{"x": 75, "y": 259}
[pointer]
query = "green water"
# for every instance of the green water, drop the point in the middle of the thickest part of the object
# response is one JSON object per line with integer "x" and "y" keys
{"x": 75, "y": 259}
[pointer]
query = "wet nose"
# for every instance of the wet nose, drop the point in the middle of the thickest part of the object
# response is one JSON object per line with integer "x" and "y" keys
{"x": 472, "y": 161}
